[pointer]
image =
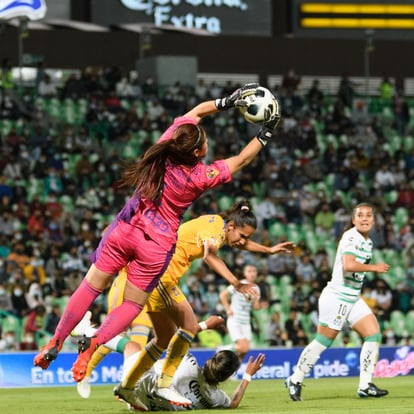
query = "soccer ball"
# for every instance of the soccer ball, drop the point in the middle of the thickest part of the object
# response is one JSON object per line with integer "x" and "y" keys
{"x": 262, "y": 100}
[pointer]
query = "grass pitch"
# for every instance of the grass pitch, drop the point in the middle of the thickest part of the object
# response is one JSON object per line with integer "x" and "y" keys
{"x": 332, "y": 396}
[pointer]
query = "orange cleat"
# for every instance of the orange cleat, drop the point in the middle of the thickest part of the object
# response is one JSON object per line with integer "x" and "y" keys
{"x": 48, "y": 353}
{"x": 86, "y": 348}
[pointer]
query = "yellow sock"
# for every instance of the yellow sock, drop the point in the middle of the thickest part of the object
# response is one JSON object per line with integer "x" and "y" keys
{"x": 178, "y": 347}
{"x": 147, "y": 358}
{"x": 139, "y": 335}
{"x": 97, "y": 357}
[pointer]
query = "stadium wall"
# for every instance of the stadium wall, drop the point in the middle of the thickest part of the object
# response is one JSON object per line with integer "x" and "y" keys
{"x": 317, "y": 55}
{"x": 17, "y": 371}
{"x": 73, "y": 49}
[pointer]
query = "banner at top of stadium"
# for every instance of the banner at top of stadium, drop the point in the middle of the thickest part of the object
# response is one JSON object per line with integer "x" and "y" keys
{"x": 219, "y": 17}
{"x": 30, "y": 9}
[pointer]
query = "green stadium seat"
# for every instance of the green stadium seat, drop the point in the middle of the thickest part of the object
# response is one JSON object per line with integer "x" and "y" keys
{"x": 11, "y": 323}
{"x": 129, "y": 152}
{"x": 391, "y": 197}
{"x": 397, "y": 322}
{"x": 307, "y": 323}
{"x": 53, "y": 108}
{"x": 262, "y": 317}
{"x": 225, "y": 202}
{"x": 386, "y": 116}
{"x": 408, "y": 141}
{"x": 409, "y": 321}
{"x": 140, "y": 108}
{"x": 67, "y": 203}
{"x": 277, "y": 229}
{"x": 5, "y": 126}
{"x": 259, "y": 189}
{"x": 293, "y": 232}
{"x": 401, "y": 217}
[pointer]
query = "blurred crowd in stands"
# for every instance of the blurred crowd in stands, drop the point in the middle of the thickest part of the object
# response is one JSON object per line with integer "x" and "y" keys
{"x": 63, "y": 148}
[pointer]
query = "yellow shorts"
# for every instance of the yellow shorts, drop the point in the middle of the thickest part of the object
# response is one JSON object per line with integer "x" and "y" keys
{"x": 115, "y": 295}
{"x": 165, "y": 295}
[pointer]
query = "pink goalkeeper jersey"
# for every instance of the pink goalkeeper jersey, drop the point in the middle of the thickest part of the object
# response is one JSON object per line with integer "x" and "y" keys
{"x": 182, "y": 186}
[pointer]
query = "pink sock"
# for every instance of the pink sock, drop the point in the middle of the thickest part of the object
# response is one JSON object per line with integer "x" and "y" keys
{"x": 78, "y": 304}
{"x": 117, "y": 321}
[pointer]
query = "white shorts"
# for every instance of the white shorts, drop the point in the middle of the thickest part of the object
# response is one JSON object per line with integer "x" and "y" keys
{"x": 333, "y": 312}
{"x": 238, "y": 330}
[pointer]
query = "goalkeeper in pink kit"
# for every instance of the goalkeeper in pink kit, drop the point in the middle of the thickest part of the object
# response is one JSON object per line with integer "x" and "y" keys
{"x": 168, "y": 178}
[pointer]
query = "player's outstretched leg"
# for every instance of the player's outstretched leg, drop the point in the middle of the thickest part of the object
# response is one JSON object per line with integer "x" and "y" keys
{"x": 86, "y": 347}
{"x": 48, "y": 353}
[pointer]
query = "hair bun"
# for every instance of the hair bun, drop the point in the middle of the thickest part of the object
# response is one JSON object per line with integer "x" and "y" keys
{"x": 244, "y": 208}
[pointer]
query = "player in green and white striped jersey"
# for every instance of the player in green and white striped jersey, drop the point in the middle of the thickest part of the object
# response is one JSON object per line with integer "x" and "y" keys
{"x": 238, "y": 310}
{"x": 340, "y": 302}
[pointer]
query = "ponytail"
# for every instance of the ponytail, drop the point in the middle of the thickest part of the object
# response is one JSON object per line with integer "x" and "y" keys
{"x": 146, "y": 175}
{"x": 241, "y": 214}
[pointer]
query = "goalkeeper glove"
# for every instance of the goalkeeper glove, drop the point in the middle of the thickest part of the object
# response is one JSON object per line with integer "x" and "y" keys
{"x": 236, "y": 99}
{"x": 271, "y": 120}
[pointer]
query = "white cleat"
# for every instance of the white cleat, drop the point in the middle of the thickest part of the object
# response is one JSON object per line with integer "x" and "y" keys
{"x": 173, "y": 396}
{"x": 84, "y": 327}
{"x": 129, "y": 396}
{"x": 84, "y": 388}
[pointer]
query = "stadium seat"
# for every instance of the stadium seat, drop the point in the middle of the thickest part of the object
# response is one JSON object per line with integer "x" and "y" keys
{"x": 293, "y": 232}
{"x": 307, "y": 323}
{"x": 259, "y": 189}
{"x": 129, "y": 151}
{"x": 53, "y": 108}
{"x": 409, "y": 321}
{"x": 262, "y": 317}
{"x": 155, "y": 135}
{"x": 392, "y": 257}
{"x": 225, "y": 202}
{"x": 140, "y": 108}
{"x": 11, "y": 323}
{"x": 391, "y": 197}
{"x": 397, "y": 322}
{"x": 400, "y": 217}
{"x": 277, "y": 229}
{"x": 67, "y": 203}
{"x": 386, "y": 116}
{"x": 5, "y": 126}
{"x": 409, "y": 141}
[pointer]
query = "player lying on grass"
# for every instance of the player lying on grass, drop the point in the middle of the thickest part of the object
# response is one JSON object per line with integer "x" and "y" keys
{"x": 200, "y": 384}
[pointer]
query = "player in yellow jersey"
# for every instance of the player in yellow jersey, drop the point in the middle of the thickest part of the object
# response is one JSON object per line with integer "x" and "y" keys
{"x": 169, "y": 309}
